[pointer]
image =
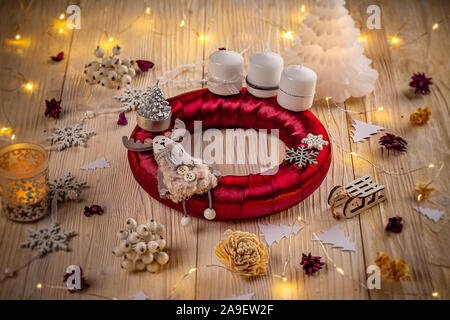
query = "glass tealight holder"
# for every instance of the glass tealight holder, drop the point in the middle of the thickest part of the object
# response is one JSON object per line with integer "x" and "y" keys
{"x": 24, "y": 181}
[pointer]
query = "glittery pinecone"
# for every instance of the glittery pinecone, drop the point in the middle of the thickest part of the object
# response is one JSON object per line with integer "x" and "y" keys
{"x": 53, "y": 108}
{"x": 311, "y": 264}
{"x": 392, "y": 142}
{"x": 421, "y": 83}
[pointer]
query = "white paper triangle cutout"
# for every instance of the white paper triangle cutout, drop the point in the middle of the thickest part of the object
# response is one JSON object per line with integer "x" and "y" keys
{"x": 273, "y": 233}
{"x": 97, "y": 164}
{"x": 364, "y": 130}
{"x": 337, "y": 238}
{"x": 434, "y": 215}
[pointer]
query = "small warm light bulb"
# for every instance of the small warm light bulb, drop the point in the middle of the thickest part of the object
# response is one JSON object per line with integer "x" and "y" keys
{"x": 435, "y": 294}
{"x": 431, "y": 165}
{"x": 361, "y": 38}
{"x": 327, "y": 98}
{"x": 39, "y": 286}
{"x": 299, "y": 218}
{"x": 288, "y": 35}
{"x": 62, "y": 16}
{"x": 148, "y": 11}
{"x": 395, "y": 40}
{"x": 340, "y": 270}
{"x": 435, "y": 26}
{"x": 202, "y": 38}
{"x": 380, "y": 108}
{"x": 182, "y": 23}
{"x": 303, "y": 8}
{"x": 284, "y": 279}
{"x": 111, "y": 39}
{"x": 17, "y": 36}
{"x": 61, "y": 30}
{"x": 353, "y": 154}
{"x": 28, "y": 86}
{"x": 192, "y": 270}
{"x": 13, "y": 137}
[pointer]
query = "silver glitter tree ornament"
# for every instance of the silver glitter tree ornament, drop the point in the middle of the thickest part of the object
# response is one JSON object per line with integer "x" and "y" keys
{"x": 155, "y": 113}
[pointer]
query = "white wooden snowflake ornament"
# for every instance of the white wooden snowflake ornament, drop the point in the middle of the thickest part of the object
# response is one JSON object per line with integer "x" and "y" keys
{"x": 66, "y": 137}
{"x": 315, "y": 141}
{"x": 302, "y": 156}
{"x": 131, "y": 98}
{"x": 48, "y": 239}
{"x": 65, "y": 188}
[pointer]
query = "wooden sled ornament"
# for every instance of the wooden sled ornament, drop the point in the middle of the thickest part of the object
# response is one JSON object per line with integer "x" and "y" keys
{"x": 359, "y": 195}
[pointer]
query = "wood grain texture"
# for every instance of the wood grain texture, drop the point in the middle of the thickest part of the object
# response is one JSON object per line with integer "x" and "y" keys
{"x": 158, "y": 37}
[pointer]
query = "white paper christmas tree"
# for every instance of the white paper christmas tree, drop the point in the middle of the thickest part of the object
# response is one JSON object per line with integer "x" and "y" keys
{"x": 273, "y": 233}
{"x": 330, "y": 47}
{"x": 337, "y": 238}
{"x": 434, "y": 215}
{"x": 97, "y": 164}
{"x": 363, "y": 130}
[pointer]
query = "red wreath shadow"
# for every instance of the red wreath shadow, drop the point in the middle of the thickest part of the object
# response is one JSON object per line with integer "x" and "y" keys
{"x": 241, "y": 197}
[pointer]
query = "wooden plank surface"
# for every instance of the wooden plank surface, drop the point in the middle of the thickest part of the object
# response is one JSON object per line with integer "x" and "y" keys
{"x": 159, "y": 37}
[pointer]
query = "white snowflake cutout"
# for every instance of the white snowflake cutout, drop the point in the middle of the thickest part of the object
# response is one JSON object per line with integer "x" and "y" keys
{"x": 131, "y": 98}
{"x": 66, "y": 137}
{"x": 65, "y": 188}
{"x": 302, "y": 156}
{"x": 315, "y": 141}
{"x": 48, "y": 239}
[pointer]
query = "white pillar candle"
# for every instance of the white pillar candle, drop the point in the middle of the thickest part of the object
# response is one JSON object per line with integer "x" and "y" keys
{"x": 225, "y": 72}
{"x": 297, "y": 88}
{"x": 264, "y": 71}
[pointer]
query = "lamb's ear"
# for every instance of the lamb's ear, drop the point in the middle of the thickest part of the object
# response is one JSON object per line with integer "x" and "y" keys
{"x": 179, "y": 129}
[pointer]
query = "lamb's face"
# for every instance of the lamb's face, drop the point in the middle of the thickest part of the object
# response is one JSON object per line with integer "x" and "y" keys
{"x": 160, "y": 143}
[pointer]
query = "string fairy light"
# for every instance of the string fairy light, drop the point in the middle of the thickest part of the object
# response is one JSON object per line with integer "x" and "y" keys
{"x": 24, "y": 83}
{"x": 391, "y": 173}
{"x": 288, "y": 34}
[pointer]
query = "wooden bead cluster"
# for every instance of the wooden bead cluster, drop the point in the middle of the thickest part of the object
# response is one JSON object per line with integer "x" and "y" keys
{"x": 111, "y": 72}
{"x": 141, "y": 246}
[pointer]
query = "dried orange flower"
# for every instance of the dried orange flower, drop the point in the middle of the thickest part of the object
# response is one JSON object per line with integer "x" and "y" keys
{"x": 420, "y": 116}
{"x": 393, "y": 269}
{"x": 242, "y": 252}
{"x": 423, "y": 192}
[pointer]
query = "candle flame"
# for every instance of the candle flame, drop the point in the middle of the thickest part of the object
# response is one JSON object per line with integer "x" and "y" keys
{"x": 148, "y": 11}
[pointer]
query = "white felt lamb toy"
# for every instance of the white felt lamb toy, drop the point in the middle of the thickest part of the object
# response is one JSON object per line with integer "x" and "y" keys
{"x": 180, "y": 176}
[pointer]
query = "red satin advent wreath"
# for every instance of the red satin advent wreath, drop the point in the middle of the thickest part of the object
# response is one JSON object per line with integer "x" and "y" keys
{"x": 241, "y": 197}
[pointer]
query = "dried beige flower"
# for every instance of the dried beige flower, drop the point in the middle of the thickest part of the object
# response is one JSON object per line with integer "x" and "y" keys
{"x": 242, "y": 252}
{"x": 393, "y": 269}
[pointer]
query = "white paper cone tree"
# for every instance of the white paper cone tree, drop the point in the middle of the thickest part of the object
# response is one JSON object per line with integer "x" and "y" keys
{"x": 330, "y": 47}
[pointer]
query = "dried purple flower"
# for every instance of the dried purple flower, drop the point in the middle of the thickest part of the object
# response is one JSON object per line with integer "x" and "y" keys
{"x": 84, "y": 283}
{"x": 311, "y": 264}
{"x": 122, "y": 119}
{"x": 94, "y": 209}
{"x": 53, "y": 108}
{"x": 58, "y": 57}
{"x": 144, "y": 65}
{"x": 421, "y": 83}
{"x": 392, "y": 142}
{"x": 395, "y": 224}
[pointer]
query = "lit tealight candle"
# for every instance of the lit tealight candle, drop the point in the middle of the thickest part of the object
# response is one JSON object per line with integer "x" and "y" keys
{"x": 264, "y": 72}
{"x": 297, "y": 88}
{"x": 225, "y": 72}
